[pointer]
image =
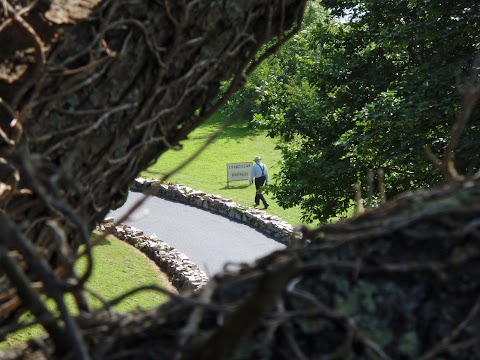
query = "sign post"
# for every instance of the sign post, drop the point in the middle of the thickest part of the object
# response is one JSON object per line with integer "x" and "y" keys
{"x": 238, "y": 171}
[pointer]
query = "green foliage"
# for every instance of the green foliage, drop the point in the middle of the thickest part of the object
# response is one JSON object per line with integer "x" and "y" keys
{"x": 367, "y": 87}
{"x": 408, "y": 344}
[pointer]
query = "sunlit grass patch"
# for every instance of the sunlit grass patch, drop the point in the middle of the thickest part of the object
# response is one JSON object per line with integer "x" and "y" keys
{"x": 118, "y": 268}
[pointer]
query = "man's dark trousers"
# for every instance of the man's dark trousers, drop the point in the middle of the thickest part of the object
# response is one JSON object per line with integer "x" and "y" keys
{"x": 259, "y": 182}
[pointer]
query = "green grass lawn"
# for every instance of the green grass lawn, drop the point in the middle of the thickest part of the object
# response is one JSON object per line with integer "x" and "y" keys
{"x": 208, "y": 172}
{"x": 117, "y": 269}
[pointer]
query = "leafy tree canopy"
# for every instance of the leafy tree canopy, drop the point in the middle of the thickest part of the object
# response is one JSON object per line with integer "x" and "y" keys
{"x": 367, "y": 85}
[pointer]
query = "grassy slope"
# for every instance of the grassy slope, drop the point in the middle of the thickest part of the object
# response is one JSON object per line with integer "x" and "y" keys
{"x": 117, "y": 269}
{"x": 208, "y": 172}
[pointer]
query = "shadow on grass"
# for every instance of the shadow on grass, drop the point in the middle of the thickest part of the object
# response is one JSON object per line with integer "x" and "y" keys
{"x": 104, "y": 242}
{"x": 96, "y": 235}
{"x": 231, "y": 187}
{"x": 238, "y": 130}
{"x": 153, "y": 171}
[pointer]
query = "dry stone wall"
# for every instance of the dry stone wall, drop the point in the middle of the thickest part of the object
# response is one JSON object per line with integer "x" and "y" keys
{"x": 184, "y": 274}
{"x": 268, "y": 224}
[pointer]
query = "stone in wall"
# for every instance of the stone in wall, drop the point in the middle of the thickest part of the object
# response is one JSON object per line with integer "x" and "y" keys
{"x": 268, "y": 224}
{"x": 182, "y": 273}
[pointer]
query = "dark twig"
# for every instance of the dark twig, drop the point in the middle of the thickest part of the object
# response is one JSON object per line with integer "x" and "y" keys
{"x": 444, "y": 344}
{"x": 29, "y": 296}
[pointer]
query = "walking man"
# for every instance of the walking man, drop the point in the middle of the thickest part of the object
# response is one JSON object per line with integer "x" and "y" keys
{"x": 259, "y": 173}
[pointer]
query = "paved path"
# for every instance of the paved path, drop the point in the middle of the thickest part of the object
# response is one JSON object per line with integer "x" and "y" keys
{"x": 208, "y": 239}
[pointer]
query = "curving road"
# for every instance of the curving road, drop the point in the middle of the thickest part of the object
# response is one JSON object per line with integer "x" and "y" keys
{"x": 208, "y": 239}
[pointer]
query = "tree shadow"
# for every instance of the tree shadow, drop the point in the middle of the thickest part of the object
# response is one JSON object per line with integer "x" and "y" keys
{"x": 234, "y": 187}
{"x": 239, "y": 129}
{"x": 104, "y": 242}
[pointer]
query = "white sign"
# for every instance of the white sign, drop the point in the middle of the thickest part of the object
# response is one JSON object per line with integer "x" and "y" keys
{"x": 238, "y": 171}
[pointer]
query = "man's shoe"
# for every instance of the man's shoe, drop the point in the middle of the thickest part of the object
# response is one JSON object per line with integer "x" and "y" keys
{"x": 266, "y": 206}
